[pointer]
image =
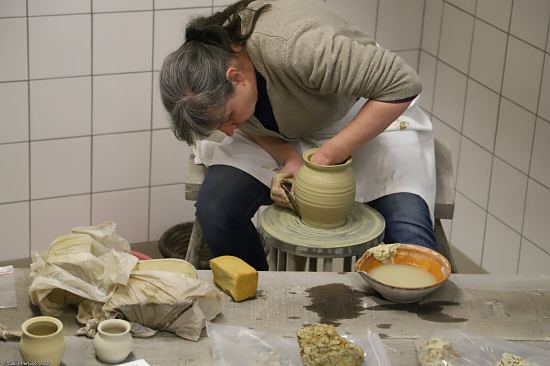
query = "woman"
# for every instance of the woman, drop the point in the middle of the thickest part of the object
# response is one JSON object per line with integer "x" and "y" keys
{"x": 278, "y": 77}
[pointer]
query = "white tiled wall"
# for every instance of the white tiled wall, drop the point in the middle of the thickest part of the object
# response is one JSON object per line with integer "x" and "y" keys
{"x": 84, "y": 136}
{"x": 486, "y": 65}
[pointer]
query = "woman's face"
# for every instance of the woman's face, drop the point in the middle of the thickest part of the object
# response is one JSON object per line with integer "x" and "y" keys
{"x": 241, "y": 105}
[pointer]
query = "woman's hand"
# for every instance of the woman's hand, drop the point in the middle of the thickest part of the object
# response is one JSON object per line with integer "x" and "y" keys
{"x": 282, "y": 187}
{"x": 323, "y": 156}
{"x": 290, "y": 160}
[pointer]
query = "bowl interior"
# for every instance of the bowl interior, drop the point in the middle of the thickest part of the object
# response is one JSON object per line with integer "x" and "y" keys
{"x": 167, "y": 265}
{"x": 422, "y": 257}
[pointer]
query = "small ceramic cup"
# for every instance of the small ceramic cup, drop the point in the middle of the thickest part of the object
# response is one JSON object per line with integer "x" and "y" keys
{"x": 113, "y": 340}
{"x": 42, "y": 340}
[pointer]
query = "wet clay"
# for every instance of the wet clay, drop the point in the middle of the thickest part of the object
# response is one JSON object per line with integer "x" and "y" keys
{"x": 334, "y": 302}
{"x": 431, "y": 311}
{"x": 384, "y": 252}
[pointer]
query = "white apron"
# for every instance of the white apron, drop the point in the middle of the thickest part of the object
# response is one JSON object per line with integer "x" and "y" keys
{"x": 400, "y": 159}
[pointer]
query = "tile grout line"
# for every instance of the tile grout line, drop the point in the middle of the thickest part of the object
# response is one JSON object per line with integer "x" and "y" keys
{"x": 532, "y": 148}
{"x": 29, "y": 127}
{"x": 462, "y": 136}
{"x": 421, "y": 37}
{"x": 96, "y": 192}
{"x": 91, "y": 111}
{"x": 527, "y": 186}
{"x": 492, "y": 153}
{"x": 486, "y": 209}
{"x": 376, "y": 19}
{"x": 437, "y": 60}
{"x": 153, "y": 14}
{"x": 104, "y": 12}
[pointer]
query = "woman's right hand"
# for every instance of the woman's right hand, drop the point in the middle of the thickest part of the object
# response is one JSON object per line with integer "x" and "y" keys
{"x": 282, "y": 187}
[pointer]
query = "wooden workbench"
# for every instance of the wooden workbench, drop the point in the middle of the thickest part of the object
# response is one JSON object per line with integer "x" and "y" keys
{"x": 514, "y": 308}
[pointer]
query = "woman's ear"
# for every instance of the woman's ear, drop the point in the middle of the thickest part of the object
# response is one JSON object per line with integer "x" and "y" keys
{"x": 234, "y": 75}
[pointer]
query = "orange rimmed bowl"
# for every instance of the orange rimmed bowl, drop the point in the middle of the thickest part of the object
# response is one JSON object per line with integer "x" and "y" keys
{"x": 415, "y": 255}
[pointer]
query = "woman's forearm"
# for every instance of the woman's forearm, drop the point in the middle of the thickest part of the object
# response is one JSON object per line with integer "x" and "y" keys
{"x": 280, "y": 150}
{"x": 373, "y": 118}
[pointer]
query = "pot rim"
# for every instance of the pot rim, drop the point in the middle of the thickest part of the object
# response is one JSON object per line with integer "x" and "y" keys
{"x": 120, "y": 322}
{"x": 45, "y": 319}
{"x": 307, "y": 156}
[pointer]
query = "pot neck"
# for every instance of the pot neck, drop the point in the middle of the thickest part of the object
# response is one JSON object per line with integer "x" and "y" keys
{"x": 113, "y": 335}
{"x": 335, "y": 167}
{"x": 307, "y": 161}
{"x": 57, "y": 325}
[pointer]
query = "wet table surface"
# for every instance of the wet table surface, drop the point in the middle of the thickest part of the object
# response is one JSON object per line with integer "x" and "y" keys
{"x": 515, "y": 308}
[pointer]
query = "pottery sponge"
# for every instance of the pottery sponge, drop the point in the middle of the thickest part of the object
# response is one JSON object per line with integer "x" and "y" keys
{"x": 235, "y": 277}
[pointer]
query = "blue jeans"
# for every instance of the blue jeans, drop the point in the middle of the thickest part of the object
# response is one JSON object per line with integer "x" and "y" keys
{"x": 229, "y": 198}
{"x": 407, "y": 218}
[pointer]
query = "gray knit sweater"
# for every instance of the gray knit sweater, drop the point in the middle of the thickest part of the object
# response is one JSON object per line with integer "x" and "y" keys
{"x": 316, "y": 65}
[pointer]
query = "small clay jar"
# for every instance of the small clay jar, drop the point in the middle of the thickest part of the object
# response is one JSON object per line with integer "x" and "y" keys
{"x": 324, "y": 194}
{"x": 42, "y": 340}
{"x": 113, "y": 340}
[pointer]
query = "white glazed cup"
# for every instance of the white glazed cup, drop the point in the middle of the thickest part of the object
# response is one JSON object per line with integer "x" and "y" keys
{"x": 113, "y": 340}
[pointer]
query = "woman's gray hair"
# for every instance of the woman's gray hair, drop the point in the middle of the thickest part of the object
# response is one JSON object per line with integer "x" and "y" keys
{"x": 194, "y": 89}
{"x": 193, "y": 84}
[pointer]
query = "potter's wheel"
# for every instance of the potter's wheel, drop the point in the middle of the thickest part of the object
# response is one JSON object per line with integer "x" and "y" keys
{"x": 282, "y": 229}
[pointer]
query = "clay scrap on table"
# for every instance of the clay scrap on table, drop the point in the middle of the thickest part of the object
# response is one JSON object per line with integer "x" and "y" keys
{"x": 321, "y": 345}
{"x": 436, "y": 352}
{"x": 509, "y": 359}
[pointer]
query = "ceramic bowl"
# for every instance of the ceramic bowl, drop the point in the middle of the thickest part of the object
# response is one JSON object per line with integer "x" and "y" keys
{"x": 168, "y": 265}
{"x": 423, "y": 257}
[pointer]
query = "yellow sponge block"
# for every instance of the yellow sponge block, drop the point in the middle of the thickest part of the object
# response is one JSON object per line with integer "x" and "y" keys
{"x": 235, "y": 277}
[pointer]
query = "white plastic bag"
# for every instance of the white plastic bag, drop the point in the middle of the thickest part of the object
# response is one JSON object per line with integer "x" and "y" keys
{"x": 90, "y": 262}
{"x": 240, "y": 346}
{"x": 481, "y": 351}
{"x": 7, "y": 287}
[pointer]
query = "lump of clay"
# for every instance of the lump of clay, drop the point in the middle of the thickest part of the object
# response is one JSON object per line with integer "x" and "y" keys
{"x": 384, "y": 252}
{"x": 235, "y": 277}
{"x": 509, "y": 359}
{"x": 436, "y": 352}
{"x": 321, "y": 345}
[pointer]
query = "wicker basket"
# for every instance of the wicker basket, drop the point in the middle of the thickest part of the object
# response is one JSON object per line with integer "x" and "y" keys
{"x": 174, "y": 242}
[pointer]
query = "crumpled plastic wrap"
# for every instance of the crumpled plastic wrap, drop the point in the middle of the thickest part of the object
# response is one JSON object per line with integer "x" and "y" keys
{"x": 240, "y": 346}
{"x": 459, "y": 348}
{"x": 157, "y": 300}
{"x": 92, "y": 268}
{"x": 89, "y": 262}
{"x": 7, "y": 288}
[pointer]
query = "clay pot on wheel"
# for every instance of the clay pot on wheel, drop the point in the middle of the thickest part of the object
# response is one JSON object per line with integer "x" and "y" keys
{"x": 324, "y": 194}
{"x": 42, "y": 340}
